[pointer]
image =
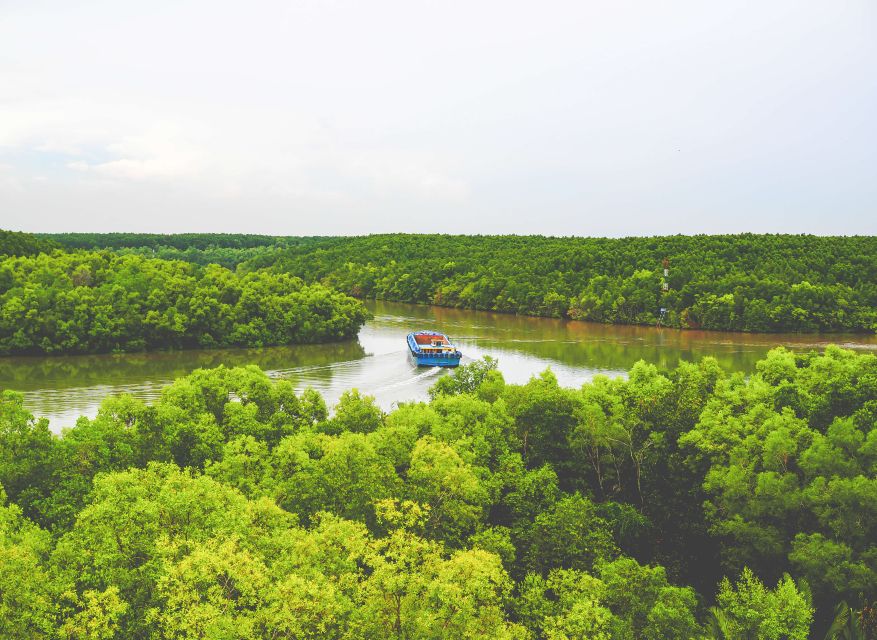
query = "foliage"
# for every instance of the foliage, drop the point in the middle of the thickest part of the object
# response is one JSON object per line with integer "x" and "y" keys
{"x": 98, "y": 301}
{"x": 182, "y": 241}
{"x": 27, "y": 592}
{"x": 17, "y": 243}
{"x": 235, "y": 507}
{"x": 749, "y": 610}
{"x": 740, "y": 282}
{"x": 468, "y": 379}
{"x": 789, "y": 458}
{"x": 849, "y": 624}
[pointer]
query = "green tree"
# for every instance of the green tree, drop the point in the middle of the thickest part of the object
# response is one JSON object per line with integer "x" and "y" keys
{"x": 356, "y": 413}
{"x": 748, "y": 609}
{"x": 94, "y": 616}
{"x": 438, "y": 477}
{"x": 569, "y": 535}
{"x": 27, "y": 591}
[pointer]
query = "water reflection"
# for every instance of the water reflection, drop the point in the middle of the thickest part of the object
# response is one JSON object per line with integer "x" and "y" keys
{"x": 608, "y": 348}
{"x": 63, "y": 388}
{"x": 61, "y": 372}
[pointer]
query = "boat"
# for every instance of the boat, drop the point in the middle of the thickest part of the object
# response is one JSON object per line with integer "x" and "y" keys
{"x": 433, "y": 349}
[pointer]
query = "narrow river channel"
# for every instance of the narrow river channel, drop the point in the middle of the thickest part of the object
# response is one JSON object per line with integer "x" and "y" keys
{"x": 64, "y": 388}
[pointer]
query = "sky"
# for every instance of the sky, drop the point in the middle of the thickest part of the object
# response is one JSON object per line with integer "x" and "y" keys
{"x": 302, "y": 117}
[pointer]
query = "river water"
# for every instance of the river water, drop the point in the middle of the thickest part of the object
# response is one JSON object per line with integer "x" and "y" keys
{"x": 62, "y": 388}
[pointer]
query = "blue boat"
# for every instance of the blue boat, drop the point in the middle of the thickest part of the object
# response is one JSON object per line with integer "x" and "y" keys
{"x": 433, "y": 349}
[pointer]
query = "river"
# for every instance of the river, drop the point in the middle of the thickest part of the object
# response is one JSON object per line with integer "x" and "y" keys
{"x": 62, "y": 388}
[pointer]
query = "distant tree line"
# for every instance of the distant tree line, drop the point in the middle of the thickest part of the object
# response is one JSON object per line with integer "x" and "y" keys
{"x": 732, "y": 282}
{"x": 227, "y": 257}
{"x": 226, "y": 249}
{"x": 182, "y": 241}
{"x": 746, "y": 282}
{"x": 17, "y": 243}
{"x": 678, "y": 505}
{"x": 88, "y": 302}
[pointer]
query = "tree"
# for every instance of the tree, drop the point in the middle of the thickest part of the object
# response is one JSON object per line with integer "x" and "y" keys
{"x": 138, "y": 520}
{"x": 467, "y": 378}
{"x": 567, "y": 605}
{"x": 27, "y": 452}
{"x": 750, "y": 610}
{"x": 438, "y": 477}
{"x": 91, "y": 302}
{"x": 414, "y": 591}
{"x": 94, "y": 616}
{"x": 785, "y": 460}
{"x": 849, "y": 624}
{"x": 645, "y": 605}
{"x": 343, "y": 475}
{"x": 355, "y": 413}
{"x": 545, "y": 415}
{"x": 570, "y": 535}
{"x": 27, "y": 591}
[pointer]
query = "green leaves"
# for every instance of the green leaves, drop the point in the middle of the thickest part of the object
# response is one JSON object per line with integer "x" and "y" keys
{"x": 96, "y": 615}
{"x": 748, "y": 609}
{"x": 27, "y": 591}
{"x": 570, "y": 535}
{"x": 27, "y": 448}
{"x": 467, "y": 378}
{"x": 734, "y": 282}
{"x": 18, "y": 243}
{"x": 438, "y": 477}
{"x": 505, "y": 513}
{"x": 792, "y": 487}
{"x": 89, "y": 302}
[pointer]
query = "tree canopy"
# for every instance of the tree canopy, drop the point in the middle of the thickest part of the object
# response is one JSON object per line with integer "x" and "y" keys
{"x": 86, "y": 302}
{"x": 744, "y": 282}
{"x": 17, "y": 243}
{"x": 665, "y": 504}
{"x": 740, "y": 282}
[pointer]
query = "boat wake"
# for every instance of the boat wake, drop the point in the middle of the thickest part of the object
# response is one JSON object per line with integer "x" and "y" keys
{"x": 429, "y": 373}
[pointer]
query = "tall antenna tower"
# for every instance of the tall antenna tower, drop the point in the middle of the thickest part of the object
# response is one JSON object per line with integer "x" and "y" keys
{"x": 665, "y": 287}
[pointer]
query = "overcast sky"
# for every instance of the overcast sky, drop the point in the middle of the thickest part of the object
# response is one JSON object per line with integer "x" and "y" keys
{"x": 618, "y": 117}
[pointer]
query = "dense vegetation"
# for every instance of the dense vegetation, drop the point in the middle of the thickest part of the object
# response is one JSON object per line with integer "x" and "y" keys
{"x": 89, "y": 301}
{"x": 226, "y": 249}
{"x": 17, "y": 243}
{"x": 235, "y": 508}
{"x": 741, "y": 282}
{"x": 182, "y": 241}
{"x": 228, "y": 257}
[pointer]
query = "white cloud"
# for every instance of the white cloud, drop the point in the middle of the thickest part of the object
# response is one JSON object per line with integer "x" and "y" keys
{"x": 628, "y": 117}
{"x": 222, "y": 152}
{"x": 9, "y": 182}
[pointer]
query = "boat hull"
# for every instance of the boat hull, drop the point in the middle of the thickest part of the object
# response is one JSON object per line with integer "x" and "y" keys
{"x": 437, "y": 361}
{"x": 426, "y": 355}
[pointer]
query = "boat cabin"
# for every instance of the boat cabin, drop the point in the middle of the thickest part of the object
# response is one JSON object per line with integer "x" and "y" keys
{"x": 432, "y": 342}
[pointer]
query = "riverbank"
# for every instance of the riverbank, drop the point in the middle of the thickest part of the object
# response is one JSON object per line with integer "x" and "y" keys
{"x": 743, "y": 282}
{"x": 64, "y": 387}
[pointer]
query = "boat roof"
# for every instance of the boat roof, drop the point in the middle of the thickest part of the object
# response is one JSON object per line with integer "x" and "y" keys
{"x": 421, "y": 336}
